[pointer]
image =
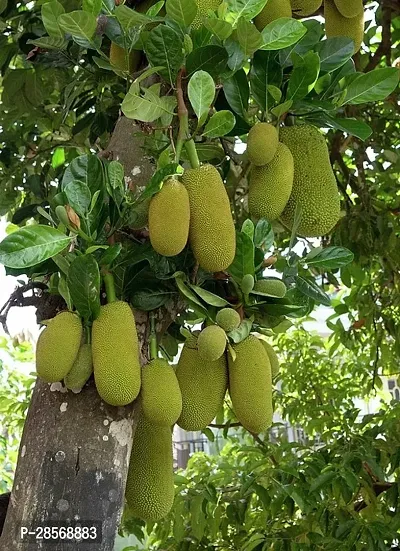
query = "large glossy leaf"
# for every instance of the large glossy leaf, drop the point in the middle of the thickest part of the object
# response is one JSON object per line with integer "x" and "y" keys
{"x": 147, "y": 107}
{"x": 309, "y": 288}
{"x": 208, "y": 297}
{"x": 329, "y": 258}
{"x": 220, "y": 124}
{"x": 50, "y": 14}
{"x": 304, "y": 75}
{"x": 201, "y": 92}
{"x": 181, "y": 11}
{"x": 79, "y": 196}
{"x": 221, "y": 29}
{"x": 81, "y": 24}
{"x": 243, "y": 262}
{"x": 92, "y": 6}
{"x": 373, "y": 86}
{"x": 237, "y": 92}
{"x": 247, "y": 9}
{"x": 164, "y": 47}
{"x": 84, "y": 286}
{"x": 265, "y": 71}
{"x": 248, "y": 36}
{"x": 282, "y": 33}
{"x": 334, "y": 52}
{"x": 212, "y": 59}
{"x": 130, "y": 18}
{"x": 31, "y": 245}
{"x": 86, "y": 169}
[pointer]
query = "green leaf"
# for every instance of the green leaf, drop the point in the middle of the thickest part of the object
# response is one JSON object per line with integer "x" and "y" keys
{"x": 86, "y": 169}
{"x": 263, "y": 234}
{"x": 110, "y": 254}
{"x": 242, "y": 332}
{"x": 265, "y": 71}
{"x": 304, "y": 75}
{"x": 248, "y": 37}
{"x": 155, "y": 9}
{"x": 282, "y": 33}
{"x": 3, "y": 5}
{"x": 311, "y": 289}
{"x": 236, "y": 89}
{"x": 330, "y": 258}
{"x": 79, "y": 196}
{"x": 188, "y": 293}
{"x": 201, "y": 92}
{"x": 31, "y": 245}
{"x": 150, "y": 299}
{"x": 209, "y": 298}
{"x": 92, "y": 6}
{"x": 181, "y": 11}
{"x": 353, "y": 127}
{"x": 212, "y": 59}
{"x": 115, "y": 173}
{"x": 64, "y": 291}
{"x": 79, "y": 23}
{"x": 50, "y": 14}
{"x": 157, "y": 179}
{"x": 198, "y": 519}
{"x": 243, "y": 262}
{"x": 221, "y": 29}
{"x": 283, "y": 108}
{"x": 373, "y": 86}
{"x": 237, "y": 58}
{"x": 146, "y": 108}
{"x": 164, "y": 47}
{"x": 334, "y": 52}
{"x": 84, "y": 286}
{"x": 220, "y": 124}
{"x": 50, "y": 43}
{"x": 322, "y": 480}
{"x": 129, "y": 19}
{"x": 247, "y": 9}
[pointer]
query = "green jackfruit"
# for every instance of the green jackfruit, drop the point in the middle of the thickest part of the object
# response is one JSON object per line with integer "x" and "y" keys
{"x": 203, "y": 385}
{"x": 211, "y": 343}
{"x": 271, "y": 286}
{"x": 273, "y": 358}
{"x": 274, "y": 9}
{"x": 250, "y": 385}
{"x": 150, "y": 481}
{"x": 314, "y": 185}
{"x": 262, "y": 143}
{"x": 212, "y": 231}
{"x": 270, "y": 186}
{"x": 115, "y": 351}
{"x": 228, "y": 319}
{"x": 81, "y": 370}
{"x": 139, "y": 216}
{"x": 304, "y": 8}
{"x": 58, "y": 346}
{"x": 203, "y": 6}
{"x": 161, "y": 395}
{"x": 247, "y": 284}
{"x": 350, "y": 8}
{"x": 169, "y": 217}
{"x": 122, "y": 59}
{"x": 337, "y": 25}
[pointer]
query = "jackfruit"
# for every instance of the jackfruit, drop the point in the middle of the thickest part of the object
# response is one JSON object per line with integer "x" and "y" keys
{"x": 212, "y": 231}
{"x": 169, "y": 217}
{"x": 211, "y": 343}
{"x": 139, "y": 216}
{"x": 304, "y": 8}
{"x": 115, "y": 351}
{"x": 337, "y": 25}
{"x": 247, "y": 284}
{"x": 81, "y": 370}
{"x": 262, "y": 143}
{"x": 270, "y": 186}
{"x": 350, "y": 8}
{"x": 271, "y": 286}
{"x": 161, "y": 395}
{"x": 228, "y": 319}
{"x": 273, "y": 358}
{"x": 58, "y": 346}
{"x": 203, "y": 386}
{"x": 314, "y": 185}
{"x": 122, "y": 59}
{"x": 250, "y": 385}
{"x": 203, "y": 6}
{"x": 150, "y": 481}
{"x": 274, "y": 9}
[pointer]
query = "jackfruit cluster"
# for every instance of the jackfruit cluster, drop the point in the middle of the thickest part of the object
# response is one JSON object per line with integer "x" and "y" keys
{"x": 273, "y": 358}
{"x": 203, "y": 7}
{"x": 150, "y": 481}
{"x": 337, "y": 24}
{"x": 81, "y": 370}
{"x": 228, "y": 319}
{"x": 169, "y": 217}
{"x": 115, "y": 350}
{"x": 211, "y": 343}
{"x": 272, "y": 286}
{"x": 274, "y": 9}
{"x": 262, "y": 143}
{"x": 212, "y": 231}
{"x": 314, "y": 192}
{"x": 304, "y": 8}
{"x": 58, "y": 347}
{"x": 161, "y": 395}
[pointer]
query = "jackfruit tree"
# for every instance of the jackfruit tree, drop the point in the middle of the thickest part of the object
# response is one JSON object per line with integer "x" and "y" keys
{"x": 182, "y": 182}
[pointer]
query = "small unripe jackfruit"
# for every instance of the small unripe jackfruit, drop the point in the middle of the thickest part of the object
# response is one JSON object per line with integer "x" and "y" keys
{"x": 338, "y": 25}
{"x": 314, "y": 185}
{"x": 274, "y": 9}
{"x": 304, "y": 8}
{"x": 169, "y": 217}
{"x": 212, "y": 231}
{"x": 115, "y": 352}
{"x": 122, "y": 59}
{"x": 58, "y": 346}
{"x": 273, "y": 358}
{"x": 228, "y": 319}
{"x": 81, "y": 370}
{"x": 211, "y": 343}
{"x": 161, "y": 395}
{"x": 262, "y": 143}
{"x": 273, "y": 287}
{"x": 203, "y": 6}
{"x": 350, "y": 8}
{"x": 203, "y": 386}
{"x": 247, "y": 284}
{"x": 150, "y": 481}
{"x": 270, "y": 186}
{"x": 250, "y": 385}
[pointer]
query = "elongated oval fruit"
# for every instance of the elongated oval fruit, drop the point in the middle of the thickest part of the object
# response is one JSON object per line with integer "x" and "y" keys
{"x": 203, "y": 386}
{"x": 270, "y": 186}
{"x": 211, "y": 343}
{"x": 338, "y": 25}
{"x": 273, "y": 358}
{"x": 115, "y": 351}
{"x": 212, "y": 231}
{"x": 350, "y": 8}
{"x": 58, "y": 346}
{"x": 247, "y": 284}
{"x": 150, "y": 481}
{"x": 81, "y": 370}
{"x": 161, "y": 395}
{"x": 250, "y": 385}
{"x": 169, "y": 217}
{"x": 273, "y": 287}
{"x": 228, "y": 319}
{"x": 262, "y": 143}
{"x": 304, "y": 8}
{"x": 274, "y": 9}
{"x": 314, "y": 189}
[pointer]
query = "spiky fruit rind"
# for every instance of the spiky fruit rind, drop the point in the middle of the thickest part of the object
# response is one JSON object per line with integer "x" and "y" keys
{"x": 338, "y": 25}
{"x": 350, "y": 8}
{"x": 274, "y": 9}
{"x": 247, "y": 284}
{"x": 212, "y": 231}
{"x": 262, "y": 143}
{"x": 211, "y": 343}
{"x": 271, "y": 286}
{"x": 228, "y": 319}
{"x": 304, "y": 8}
{"x": 203, "y": 386}
{"x": 314, "y": 183}
{"x": 203, "y": 6}
{"x": 169, "y": 217}
{"x": 115, "y": 352}
{"x": 58, "y": 346}
{"x": 161, "y": 395}
{"x": 250, "y": 385}
{"x": 150, "y": 481}
{"x": 270, "y": 186}
{"x": 81, "y": 369}
{"x": 273, "y": 358}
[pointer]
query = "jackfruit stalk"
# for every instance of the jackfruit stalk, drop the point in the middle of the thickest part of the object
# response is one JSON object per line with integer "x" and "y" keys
{"x": 274, "y": 9}
{"x": 81, "y": 369}
{"x": 228, "y": 319}
{"x": 211, "y": 343}
{"x": 161, "y": 395}
{"x": 262, "y": 143}
{"x": 338, "y": 25}
{"x": 304, "y": 8}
